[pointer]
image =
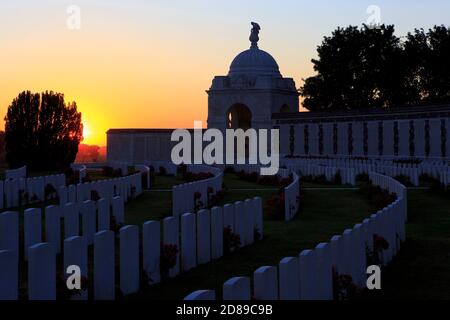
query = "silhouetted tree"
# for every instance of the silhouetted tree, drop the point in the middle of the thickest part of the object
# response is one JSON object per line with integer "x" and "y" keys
{"x": 42, "y": 131}
{"x": 428, "y": 54}
{"x": 371, "y": 68}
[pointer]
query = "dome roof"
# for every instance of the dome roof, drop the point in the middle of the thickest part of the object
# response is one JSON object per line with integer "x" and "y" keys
{"x": 254, "y": 62}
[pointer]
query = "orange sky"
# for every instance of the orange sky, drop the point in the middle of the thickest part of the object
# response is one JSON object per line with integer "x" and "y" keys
{"x": 148, "y": 63}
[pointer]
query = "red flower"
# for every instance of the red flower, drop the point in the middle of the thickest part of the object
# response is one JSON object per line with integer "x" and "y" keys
{"x": 379, "y": 243}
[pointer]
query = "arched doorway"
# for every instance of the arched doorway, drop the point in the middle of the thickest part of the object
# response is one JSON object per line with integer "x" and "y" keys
{"x": 239, "y": 116}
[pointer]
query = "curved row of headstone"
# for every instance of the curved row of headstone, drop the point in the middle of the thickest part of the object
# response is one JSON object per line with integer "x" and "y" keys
{"x": 308, "y": 276}
{"x": 15, "y": 192}
{"x": 191, "y": 196}
{"x": 436, "y": 169}
{"x": 292, "y": 198}
{"x": 126, "y": 187}
{"x": 198, "y": 237}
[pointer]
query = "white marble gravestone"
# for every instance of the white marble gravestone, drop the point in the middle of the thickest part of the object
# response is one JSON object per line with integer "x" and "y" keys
{"x": 237, "y": 288}
{"x": 151, "y": 247}
{"x": 41, "y": 272}
{"x": 129, "y": 259}
{"x": 265, "y": 281}
{"x": 203, "y": 236}
{"x": 104, "y": 263}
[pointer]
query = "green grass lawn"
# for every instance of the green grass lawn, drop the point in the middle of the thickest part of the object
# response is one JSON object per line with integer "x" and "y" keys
{"x": 422, "y": 268}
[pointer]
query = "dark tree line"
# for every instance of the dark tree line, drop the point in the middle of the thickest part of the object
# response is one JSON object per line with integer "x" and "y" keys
{"x": 373, "y": 68}
{"x": 42, "y": 131}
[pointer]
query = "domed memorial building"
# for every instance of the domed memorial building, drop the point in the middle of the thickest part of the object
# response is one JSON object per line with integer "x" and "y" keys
{"x": 253, "y": 90}
{"x": 254, "y": 94}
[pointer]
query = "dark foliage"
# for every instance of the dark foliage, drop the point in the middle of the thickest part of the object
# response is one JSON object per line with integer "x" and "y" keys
{"x": 42, "y": 131}
{"x": 372, "y": 68}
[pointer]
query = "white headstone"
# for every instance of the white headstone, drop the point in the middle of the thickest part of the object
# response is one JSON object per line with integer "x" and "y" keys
{"x": 216, "y": 232}
{"x": 265, "y": 283}
{"x": 289, "y": 279}
{"x": 118, "y": 209}
{"x": 201, "y": 295}
{"x": 308, "y": 275}
{"x": 336, "y": 252}
{"x": 203, "y": 236}
{"x": 151, "y": 247}
{"x": 41, "y": 272}
{"x": 71, "y": 220}
{"x": 62, "y": 194}
{"x": 89, "y": 218}
{"x": 9, "y": 275}
{"x": 72, "y": 193}
{"x": 171, "y": 236}
{"x": 32, "y": 228}
{"x": 76, "y": 253}
{"x": 237, "y": 288}
{"x": 239, "y": 226}
{"x": 249, "y": 221}
{"x": 9, "y": 232}
{"x": 104, "y": 262}
{"x": 258, "y": 214}
{"x": 103, "y": 215}
{"x": 188, "y": 242}
{"x": 53, "y": 226}
{"x": 129, "y": 259}
{"x": 324, "y": 270}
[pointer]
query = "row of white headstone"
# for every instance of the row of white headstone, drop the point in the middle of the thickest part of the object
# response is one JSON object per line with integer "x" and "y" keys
{"x": 201, "y": 240}
{"x": 202, "y": 234}
{"x": 392, "y": 168}
{"x": 183, "y": 195}
{"x": 18, "y": 173}
{"x": 12, "y": 191}
{"x": 80, "y": 221}
{"x": 308, "y": 276}
{"x": 125, "y": 187}
{"x": 292, "y": 198}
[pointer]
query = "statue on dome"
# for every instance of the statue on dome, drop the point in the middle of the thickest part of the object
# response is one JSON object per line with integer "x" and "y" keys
{"x": 254, "y": 38}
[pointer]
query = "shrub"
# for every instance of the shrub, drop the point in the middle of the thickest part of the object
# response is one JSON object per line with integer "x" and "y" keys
{"x": 343, "y": 287}
{"x": 168, "y": 258}
{"x": 49, "y": 190}
{"x": 231, "y": 240}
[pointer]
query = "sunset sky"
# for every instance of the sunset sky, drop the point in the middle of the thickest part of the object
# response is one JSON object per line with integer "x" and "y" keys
{"x": 147, "y": 63}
